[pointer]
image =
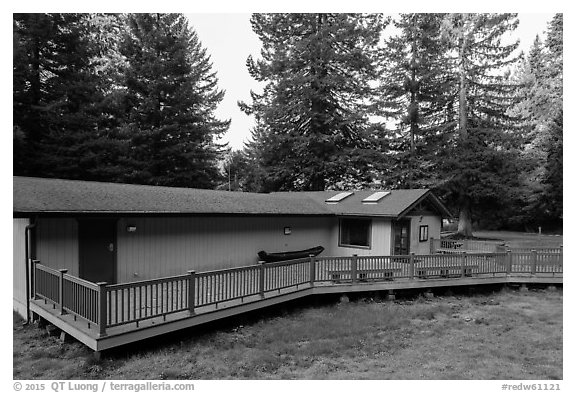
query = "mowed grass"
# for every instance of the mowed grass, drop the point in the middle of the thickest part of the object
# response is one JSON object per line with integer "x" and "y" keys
{"x": 503, "y": 335}
{"x": 522, "y": 239}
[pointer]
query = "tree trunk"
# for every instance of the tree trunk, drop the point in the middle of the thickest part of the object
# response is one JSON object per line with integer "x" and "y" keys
{"x": 318, "y": 125}
{"x": 413, "y": 107}
{"x": 465, "y": 219}
{"x": 463, "y": 115}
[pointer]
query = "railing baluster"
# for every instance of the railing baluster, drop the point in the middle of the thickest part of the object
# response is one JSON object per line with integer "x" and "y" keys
{"x": 227, "y": 282}
{"x": 230, "y": 286}
{"x": 171, "y": 306}
{"x": 211, "y": 281}
{"x": 134, "y": 303}
{"x": 157, "y": 298}
{"x": 161, "y": 297}
{"x": 204, "y": 291}
{"x": 122, "y": 303}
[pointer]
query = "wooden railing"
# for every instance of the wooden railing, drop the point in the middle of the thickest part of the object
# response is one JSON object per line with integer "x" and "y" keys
{"x": 325, "y": 265}
{"x": 217, "y": 286}
{"x": 81, "y": 297}
{"x": 455, "y": 246}
{"x": 280, "y": 275}
{"x": 137, "y": 301}
{"x": 106, "y": 306}
{"x": 550, "y": 250}
{"x": 69, "y": 294}
{"x": 46, "y": 283}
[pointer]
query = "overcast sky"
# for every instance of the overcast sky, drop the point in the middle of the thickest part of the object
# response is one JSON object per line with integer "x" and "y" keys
{"x": 229, "y": 40}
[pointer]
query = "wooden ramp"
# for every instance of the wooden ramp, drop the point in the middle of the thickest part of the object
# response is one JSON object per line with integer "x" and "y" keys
{"x": 106, "y": 316}
{"x": 126, "y": 334}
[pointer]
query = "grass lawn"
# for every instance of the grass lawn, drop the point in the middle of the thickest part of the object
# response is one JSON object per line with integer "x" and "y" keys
{"x": 502, "y": 335}
{"x": 521, "y": 239}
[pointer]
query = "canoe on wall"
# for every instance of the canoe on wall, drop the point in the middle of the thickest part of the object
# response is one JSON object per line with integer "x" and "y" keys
{"x": 286, "y": 256}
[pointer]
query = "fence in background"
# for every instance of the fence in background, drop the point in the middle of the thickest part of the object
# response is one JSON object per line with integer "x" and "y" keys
{"x": 455, "y": 246}
{"x": 450, "y": 246}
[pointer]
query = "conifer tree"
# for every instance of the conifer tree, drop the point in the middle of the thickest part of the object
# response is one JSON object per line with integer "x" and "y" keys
{"x": 415, "y": 93}
{"x": 553, "y": 178}
{"x": 312, "y": 128}
{"x": 56, "y": 95}
{"x": 479, "y": 168}
{"x": 540, "y": 108}
{"x": 121, "y": 98}
{"x": 171, "y": 95}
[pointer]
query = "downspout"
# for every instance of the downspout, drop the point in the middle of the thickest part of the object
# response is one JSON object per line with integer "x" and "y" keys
{"x": 28, "y": 252}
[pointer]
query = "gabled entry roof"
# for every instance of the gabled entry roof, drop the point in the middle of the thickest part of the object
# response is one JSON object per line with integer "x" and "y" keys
{"x": 39, "y": 196}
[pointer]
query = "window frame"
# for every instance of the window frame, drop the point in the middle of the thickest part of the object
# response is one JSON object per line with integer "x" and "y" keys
{"x": 341, "y": 223}
{"x": 426, "y": 229}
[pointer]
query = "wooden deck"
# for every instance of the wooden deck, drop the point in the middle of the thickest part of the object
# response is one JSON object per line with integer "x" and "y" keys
{"x": 103, "y": 317}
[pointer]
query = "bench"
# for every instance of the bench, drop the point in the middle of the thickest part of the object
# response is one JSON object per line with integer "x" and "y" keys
{"x": 450, "y": 251}
{"x": 450, "y": 248}
{"x": 444, "y": 271}
{"x": 364, "y": 274}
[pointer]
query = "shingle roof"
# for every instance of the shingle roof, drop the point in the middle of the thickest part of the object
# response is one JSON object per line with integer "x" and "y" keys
{"x": 392, "y": 205}
{"x": 37, "y": 195}
{"x": 49, "y": 196}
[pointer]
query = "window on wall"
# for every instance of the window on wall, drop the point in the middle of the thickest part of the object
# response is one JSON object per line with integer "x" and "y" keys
{"x": 423, "y": 233}
{"x": 354, "y": 232}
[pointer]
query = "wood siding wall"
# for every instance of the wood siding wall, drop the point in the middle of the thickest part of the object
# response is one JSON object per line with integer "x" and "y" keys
{"x": 164, "y": 246}
{"x": 18, "y": 264}
{"x": 434, "y": 227}
{"x": 381, "y": 237}
{"x": 57, "y": 243}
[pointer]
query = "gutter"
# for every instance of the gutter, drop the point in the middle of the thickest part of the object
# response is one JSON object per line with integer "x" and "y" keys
{"x": 28, "y": 252}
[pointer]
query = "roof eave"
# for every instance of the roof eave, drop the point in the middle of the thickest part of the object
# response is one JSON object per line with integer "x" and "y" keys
{"x": 366, "y": 215}
{"x": 80, "y": 213}
{"x": 444, "y": 212}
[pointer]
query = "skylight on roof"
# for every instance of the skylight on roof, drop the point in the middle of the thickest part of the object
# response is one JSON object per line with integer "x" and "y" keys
{"x": 339, "y": 197}
{"x": 375, "y": 198}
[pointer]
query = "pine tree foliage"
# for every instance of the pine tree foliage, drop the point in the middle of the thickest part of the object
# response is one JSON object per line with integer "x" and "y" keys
{"x": 541, "y": 111}
{"x": 415, "y": 97}
{"x": 122, "y": 98}
{"x": 553, "y": 181}
{"x": 132, "y": 97}
{"x": 240, "y": 173}
{"x": 55, "y": 95}
{"x": 552, "y": 205}
{"x": 312, "y": 127}
{"x": 171, "y": 96}
{"x": 479, "y": 169}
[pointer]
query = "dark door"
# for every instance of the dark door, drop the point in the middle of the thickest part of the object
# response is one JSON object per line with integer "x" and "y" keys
{"x": 97, "y": 250}
{"x": 401, "y": 237}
